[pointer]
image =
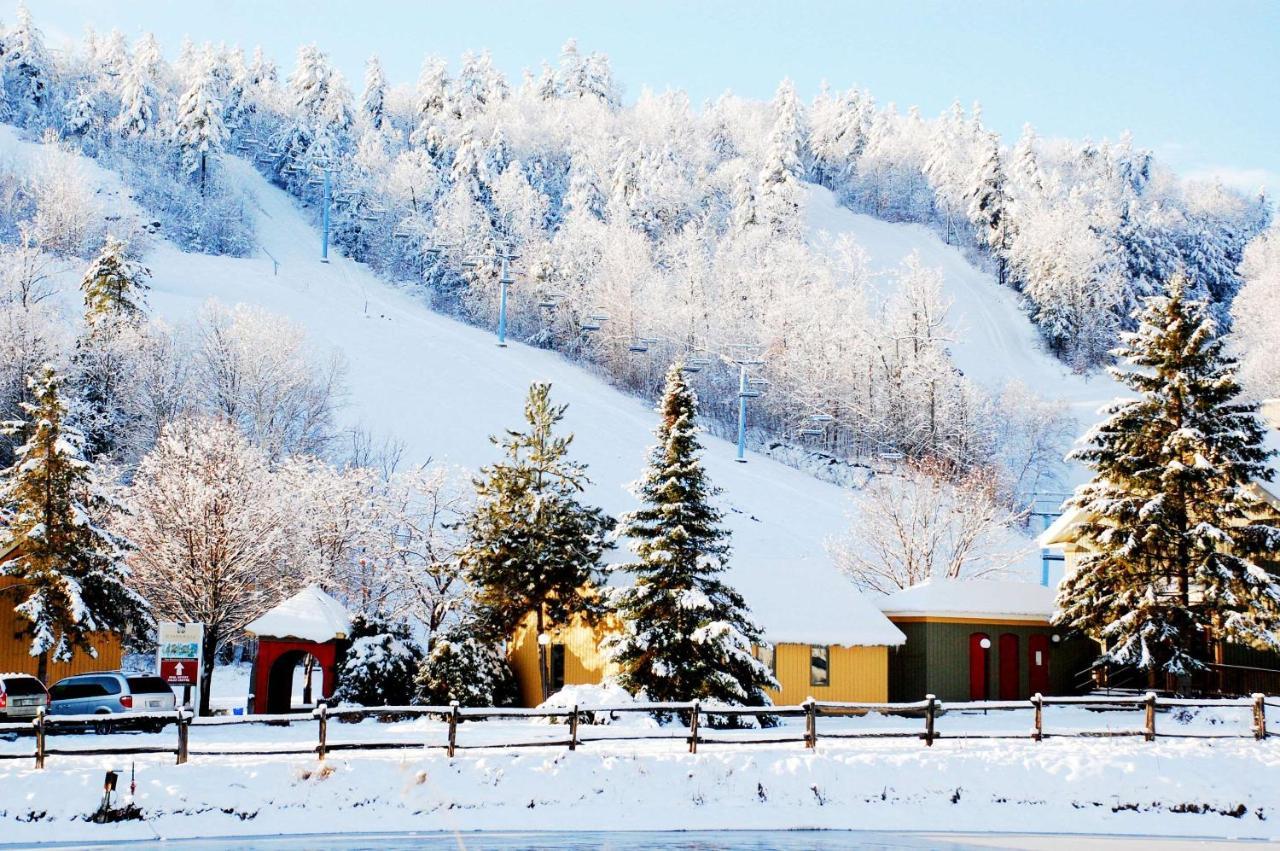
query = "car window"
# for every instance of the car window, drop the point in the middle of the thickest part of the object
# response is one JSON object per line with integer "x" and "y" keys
{"x": 105, "y": 686}
{"x": 149, "y": 685}
{"x": 22, "y": 686}
{"x": 63, "y": 691}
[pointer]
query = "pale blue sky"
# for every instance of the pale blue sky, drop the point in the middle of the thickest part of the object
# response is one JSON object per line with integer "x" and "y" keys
{"x": 1197, "y": 81}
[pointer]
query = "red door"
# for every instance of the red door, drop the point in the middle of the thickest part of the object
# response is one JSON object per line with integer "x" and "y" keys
{"x": 1010, "y": 665}
{"x": 1038, "y": 663}
{"x": 978, "y": 665}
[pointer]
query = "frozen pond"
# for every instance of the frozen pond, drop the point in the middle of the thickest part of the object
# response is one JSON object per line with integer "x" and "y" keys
{"x": 723, "y": 840}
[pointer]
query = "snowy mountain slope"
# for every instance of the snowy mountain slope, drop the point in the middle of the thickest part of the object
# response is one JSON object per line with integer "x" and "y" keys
{"x": 442, "y": 387}
{"x": 995, "y": 340}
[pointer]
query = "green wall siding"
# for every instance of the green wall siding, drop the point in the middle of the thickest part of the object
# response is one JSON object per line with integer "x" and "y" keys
{"x": 935, "y": 660}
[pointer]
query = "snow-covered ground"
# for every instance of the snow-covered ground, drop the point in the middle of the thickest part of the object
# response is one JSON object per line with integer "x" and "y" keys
{"x": 1205, "y": 787}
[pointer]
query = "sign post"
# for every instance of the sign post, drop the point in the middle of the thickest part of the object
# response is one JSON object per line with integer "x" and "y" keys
{"x": 178, "y": 657}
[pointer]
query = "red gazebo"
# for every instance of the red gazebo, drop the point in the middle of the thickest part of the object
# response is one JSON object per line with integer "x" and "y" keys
{"x": 308, "y": 623}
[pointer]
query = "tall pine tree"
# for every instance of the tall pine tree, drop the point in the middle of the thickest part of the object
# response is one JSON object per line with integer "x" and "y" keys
{"x": 1175, "y": 531}
{"x": 114, "y": 285}
{"x": 686, "y": 633}
{"x": 71, "y": 571}
{"x": 533, "y": 546}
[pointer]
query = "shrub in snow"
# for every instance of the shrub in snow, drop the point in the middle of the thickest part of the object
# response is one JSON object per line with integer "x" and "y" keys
{"x": 461, "y": 668}
{"x": 610, "y": 694}
{"x": 379, "y": 667}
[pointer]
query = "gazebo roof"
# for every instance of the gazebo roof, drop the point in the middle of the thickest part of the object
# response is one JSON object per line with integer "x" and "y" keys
{"x": 309, "y": 615}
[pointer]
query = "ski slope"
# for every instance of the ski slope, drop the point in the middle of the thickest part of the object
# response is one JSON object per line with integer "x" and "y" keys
{"x": 442, "y": 388}
{"x": 995, "y": 342}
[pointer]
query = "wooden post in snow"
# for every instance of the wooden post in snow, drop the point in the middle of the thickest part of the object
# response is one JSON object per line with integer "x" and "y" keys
{"x": 573, "y": 729}
{"x": 1037, "y": 700}
{"x": 930, "y": 716}
{"x": 1150, "y": 732}
{"x": 40, "y": 713}
{"x": 1259, "y": 716}
{"x": 184, "y": 735}
{"x": 810, "y": 723}
{"x": 453, "y": 727}
{"x": 693, "y": 728}
{"x": 322, "y": 714}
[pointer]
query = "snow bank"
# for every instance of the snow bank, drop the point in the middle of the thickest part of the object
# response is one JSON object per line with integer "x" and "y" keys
{"x": 1168, "y": 788}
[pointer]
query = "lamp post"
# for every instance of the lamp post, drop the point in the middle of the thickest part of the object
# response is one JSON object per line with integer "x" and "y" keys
{"x": 544, "y": 675}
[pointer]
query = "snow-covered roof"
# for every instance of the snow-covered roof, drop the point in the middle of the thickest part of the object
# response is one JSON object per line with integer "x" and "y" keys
{"x": 309, "y": 615}
{"x": 972, "y": 598}
{"x": 803, "y": 601}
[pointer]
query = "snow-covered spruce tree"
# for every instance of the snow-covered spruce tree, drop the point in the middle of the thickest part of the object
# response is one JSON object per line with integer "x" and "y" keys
{"x": 534, "y": 547}
{"x": 26, "y": 71}
{"x": 990, "y": 206}
{"x": 380, "y": 666}
{"x": 71, "y": 573}
{"x": 114, "y": 285}
{"x": 686, "y": 633}
{"x": 461, "y": 667}
{"x": 199, "y": 132}
{"x": 1175, "y": 533}
{"x": 373, "y": 101}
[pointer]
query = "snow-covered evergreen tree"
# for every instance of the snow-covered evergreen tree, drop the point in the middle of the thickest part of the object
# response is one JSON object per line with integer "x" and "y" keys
{"x": 463, "y": 668}
{"x": 381, "y": 664}
{"x": 137, "y": 115}
{"x": 115, "y": 285}
{"x": 534, "y": 547}
{"x": 1177, "y": 537}
{"x": 373, "y": 101}
{"x": 27, "y": 71}
{"x": 199, "y": 131}
{"x": 686, "y": 633}
{"x": 990, "y": 207}
{"x": 71, "y": 572}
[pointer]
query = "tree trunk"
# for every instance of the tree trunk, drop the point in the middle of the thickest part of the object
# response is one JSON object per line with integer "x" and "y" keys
{"x": 542, "y": 658}
{"x": 208, "y": 656}
{"x": 42, "y": 668}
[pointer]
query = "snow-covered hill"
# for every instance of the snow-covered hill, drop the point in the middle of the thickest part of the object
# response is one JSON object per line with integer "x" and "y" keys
{"x": 995, "y": 341}
{"x": 442, "y": 387}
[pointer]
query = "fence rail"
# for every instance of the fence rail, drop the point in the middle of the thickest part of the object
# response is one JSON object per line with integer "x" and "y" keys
{"x": 694, "y": 717}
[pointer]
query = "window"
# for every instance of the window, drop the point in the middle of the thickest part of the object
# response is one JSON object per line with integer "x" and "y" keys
{"x": 819, "y": 665}
{"x": 768, "y": 654}
{"x": 148, "y": 685}
{"x": 557, "y": 667}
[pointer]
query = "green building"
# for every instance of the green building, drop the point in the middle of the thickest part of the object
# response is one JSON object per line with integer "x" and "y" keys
{"x": 978, "y": 639}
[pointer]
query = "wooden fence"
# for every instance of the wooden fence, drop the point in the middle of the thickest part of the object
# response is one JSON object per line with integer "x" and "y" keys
{"x": 695, "y": 719}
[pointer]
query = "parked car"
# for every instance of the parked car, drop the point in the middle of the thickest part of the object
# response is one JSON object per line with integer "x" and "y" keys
{"x": 113, "y": 693}
{"x": 21, "y": 696}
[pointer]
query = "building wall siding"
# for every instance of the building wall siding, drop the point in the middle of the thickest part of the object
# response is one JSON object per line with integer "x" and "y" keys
{"x": 584, "y": 664}
{"x": 15, "y": 645}
{"x": 857, "y": 674}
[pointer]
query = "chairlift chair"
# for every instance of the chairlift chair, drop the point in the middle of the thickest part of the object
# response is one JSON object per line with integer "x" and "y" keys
{"x": 810, "y": 432}
{"x": 589, "y": 325}
{"x": 821, "y": 418}
{"x": 638, "y": 346}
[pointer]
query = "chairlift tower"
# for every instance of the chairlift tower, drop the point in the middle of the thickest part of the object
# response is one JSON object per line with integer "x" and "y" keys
{"x": 748, "y": 388}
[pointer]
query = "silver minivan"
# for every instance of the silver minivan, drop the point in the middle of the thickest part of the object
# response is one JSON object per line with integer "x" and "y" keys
{"x": 21, "y": 696}
{"x": 111, "y": 693}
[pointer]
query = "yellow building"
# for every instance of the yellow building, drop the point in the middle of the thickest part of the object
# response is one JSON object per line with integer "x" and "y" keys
{"x": 826, "y": 640}
{"x": 15, "y": 644}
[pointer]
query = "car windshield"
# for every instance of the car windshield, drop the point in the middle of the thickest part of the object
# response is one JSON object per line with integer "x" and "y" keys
{"x": 22, "y": 686}
{"x": 149, "y": 685}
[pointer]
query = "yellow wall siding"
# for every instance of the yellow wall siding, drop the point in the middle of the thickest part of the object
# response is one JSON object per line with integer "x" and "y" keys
{"x": 15, "y": 644}
{"x": 857, "y": 674}
{"x": 584, "y": 664}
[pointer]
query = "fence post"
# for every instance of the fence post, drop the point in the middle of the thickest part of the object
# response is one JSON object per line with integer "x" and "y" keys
{"x": 1259, "y": 716}
{"x": 930, "y": 714}
{"x": 573, "y": 729}
{"x": 184, "y": 734}
{"x": 693, "y": 728}
{"x": 1038, "y": 701}
{"x": 1150, "y": 732}
{"x": 40, "y": 713}
{"x": 323, "y": 716}
{"x": 810, "y": 723}
{"x": 453, "y": 727}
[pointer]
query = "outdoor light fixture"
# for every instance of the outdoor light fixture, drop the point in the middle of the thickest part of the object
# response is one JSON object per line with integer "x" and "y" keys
{"x": 544, "y": 639}
{"x": 1056, "y": 638}
{"x": 985, "y": 644}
